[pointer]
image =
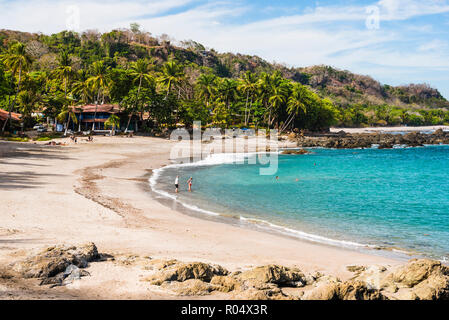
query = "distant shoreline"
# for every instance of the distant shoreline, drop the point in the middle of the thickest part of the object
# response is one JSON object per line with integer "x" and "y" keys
{"x": 389, "y": 129}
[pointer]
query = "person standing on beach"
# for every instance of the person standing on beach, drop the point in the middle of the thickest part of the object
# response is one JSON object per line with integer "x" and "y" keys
{"x": 189, "y": 182}
{"x": 176, "y": 184}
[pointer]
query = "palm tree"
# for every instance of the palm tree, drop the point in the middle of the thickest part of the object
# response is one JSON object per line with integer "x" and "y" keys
{"x": 140, "y": 71}
{"x": 17, "y": 60}
{"x": 278, "y": 96}
{"x": 113, "y": 122}
{"x": 206, "y": 85}
{"x": 248, "y": 85}
{"x": 64, "y": 71}
{"x": 99, "y": 82}
{"x": 81, "y": 87}
{"x": 296, "y": 103}
{"x": 172, "y": 76}
{"x": 227, "y": 90}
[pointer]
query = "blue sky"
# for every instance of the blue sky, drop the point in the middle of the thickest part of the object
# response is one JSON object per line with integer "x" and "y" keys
{"x": 395, "y": 41}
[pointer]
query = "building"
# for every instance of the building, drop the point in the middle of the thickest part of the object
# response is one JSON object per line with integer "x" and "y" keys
{"x": 93, "y": 117}
{"x": 4, "y": 115}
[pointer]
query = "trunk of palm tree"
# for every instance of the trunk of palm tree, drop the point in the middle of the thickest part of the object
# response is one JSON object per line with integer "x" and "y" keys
{"x": 287, "y": 122}
{"x": 95, "y": 113}
{"x": 246, "y": 105}
{"x": 129, "y": 121}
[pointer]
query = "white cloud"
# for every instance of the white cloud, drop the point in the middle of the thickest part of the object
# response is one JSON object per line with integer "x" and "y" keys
{"x": 334, "y": 35}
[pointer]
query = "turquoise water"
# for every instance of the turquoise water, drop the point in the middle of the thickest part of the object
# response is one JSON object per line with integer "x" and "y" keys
{"x": 388, "y": 198}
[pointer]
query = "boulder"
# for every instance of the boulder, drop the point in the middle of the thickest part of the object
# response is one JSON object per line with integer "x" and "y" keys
{"x": 185, "y": 271}
{"x": 416, "y": 271}
{"x": 422, "y": 279}
{"x": 54, "y": 260}
{"x": 274, "y": 274}
{"x": 298, "y": 152}
{"x": 225, "y": 283}
{"x": 333, "y": 289}
{"x": 190, "y": 287}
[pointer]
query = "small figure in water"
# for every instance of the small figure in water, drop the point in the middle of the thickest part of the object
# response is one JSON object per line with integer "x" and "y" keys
{"x": 277, "y": 178}
{"x": 176, "y": 184}
{"x": 189, "y": 182}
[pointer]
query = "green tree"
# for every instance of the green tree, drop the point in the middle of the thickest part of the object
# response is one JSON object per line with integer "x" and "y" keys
{"x": 17, "y": 60}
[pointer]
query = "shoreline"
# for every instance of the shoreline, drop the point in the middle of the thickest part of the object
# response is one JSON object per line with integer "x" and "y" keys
{"x": 66, "y": 195}
{"x": 261, "y": 225}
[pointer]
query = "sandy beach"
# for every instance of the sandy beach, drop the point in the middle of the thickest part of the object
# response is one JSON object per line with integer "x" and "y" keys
{"x": 99, "y": 192}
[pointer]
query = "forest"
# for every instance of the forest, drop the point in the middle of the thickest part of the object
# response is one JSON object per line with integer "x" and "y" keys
{"x": 42, "y": 76}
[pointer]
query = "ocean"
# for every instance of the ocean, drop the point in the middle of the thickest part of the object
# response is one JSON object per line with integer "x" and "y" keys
{"x": 395, "y": 199}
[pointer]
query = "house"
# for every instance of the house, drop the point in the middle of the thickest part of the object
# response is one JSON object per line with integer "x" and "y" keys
{"x": 93, "y": 117}
{"x": 4, "y": 115}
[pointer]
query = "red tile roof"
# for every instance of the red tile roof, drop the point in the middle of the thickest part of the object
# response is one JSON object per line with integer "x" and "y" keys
{"x": 109, "y": 108}
{"x": 5, "y": 115}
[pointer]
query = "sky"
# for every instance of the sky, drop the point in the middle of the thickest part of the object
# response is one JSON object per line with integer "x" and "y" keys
{"x": 395, "y": 41}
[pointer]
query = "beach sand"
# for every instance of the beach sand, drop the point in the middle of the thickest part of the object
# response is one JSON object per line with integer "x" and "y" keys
{"x": 99, "y": 192}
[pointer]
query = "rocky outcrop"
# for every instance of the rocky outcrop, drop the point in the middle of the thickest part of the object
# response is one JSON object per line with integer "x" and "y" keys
{"x": 420, "y": 279}
{"x": 275, "y": 274}
{"x": 184, "y": 271}
{"x": 54, "y": 260}
{"x": 367, "y": 140}
{"x": 58, "y": 265}
{"x": 297, "y": 152}
{"x": 423, "y": 279}
{"x": 333, "y": 289}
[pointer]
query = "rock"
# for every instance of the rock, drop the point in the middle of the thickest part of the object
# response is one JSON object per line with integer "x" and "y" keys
{"x": 55, "y": 260}
{"x": 292, "y": 136}
{"x": 358, "y": 290}
{"x": 70, "y": 274}
{"x": 254, "y": 294}
{"x": 435, "y": 287}
{"x": 356, "y": 269}
{"x": 298, "y": 152}
{"x": 190, "y": 287}
{"x": 439, "y": 133}
{"x": 422, "y": 279}
{"x": 225, "y": 283}
{"x": 371, "y": 276}
{"x": 333, "y": 289}
{"x": 182, "y": 272}
{"x": 414, "y": 272}
{"x": 275, "y": 274}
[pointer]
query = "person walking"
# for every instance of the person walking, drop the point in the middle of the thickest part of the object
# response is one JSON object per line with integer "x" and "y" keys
{"x": 177, "y": 184}
{"x": 189, "y": 182}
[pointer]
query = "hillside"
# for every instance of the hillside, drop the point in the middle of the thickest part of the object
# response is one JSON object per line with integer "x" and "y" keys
{"x": 342, "y": 87}
{"x": 219, "y": 88}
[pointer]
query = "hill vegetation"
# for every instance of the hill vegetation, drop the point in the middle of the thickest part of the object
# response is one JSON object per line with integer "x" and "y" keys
{"x": 186, "y": 82}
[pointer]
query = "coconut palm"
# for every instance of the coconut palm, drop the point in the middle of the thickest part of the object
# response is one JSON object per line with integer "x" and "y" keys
{"x": 296, "y": 103}
{"x": 227, "y": 90}
{"x": 99, "y": 82}
{"x": 17, "y": 60}
{"x": 248, "y": 86}
{"x": 172, "y": 76}
{"x": 278, "y": 96}
{"x": 206, "y": 85}
{"x": 140, "y": 72}
{"x": 113, "y": 121}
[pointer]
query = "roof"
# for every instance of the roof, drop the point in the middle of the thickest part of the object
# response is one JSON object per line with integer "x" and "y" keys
{"x": 109, "y": 108}
{"x": 5, "y": 115}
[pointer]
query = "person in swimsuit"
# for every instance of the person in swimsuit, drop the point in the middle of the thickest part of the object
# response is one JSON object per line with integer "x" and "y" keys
{"x": 189, "y": 182}
{"x": 176, "y": 184}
